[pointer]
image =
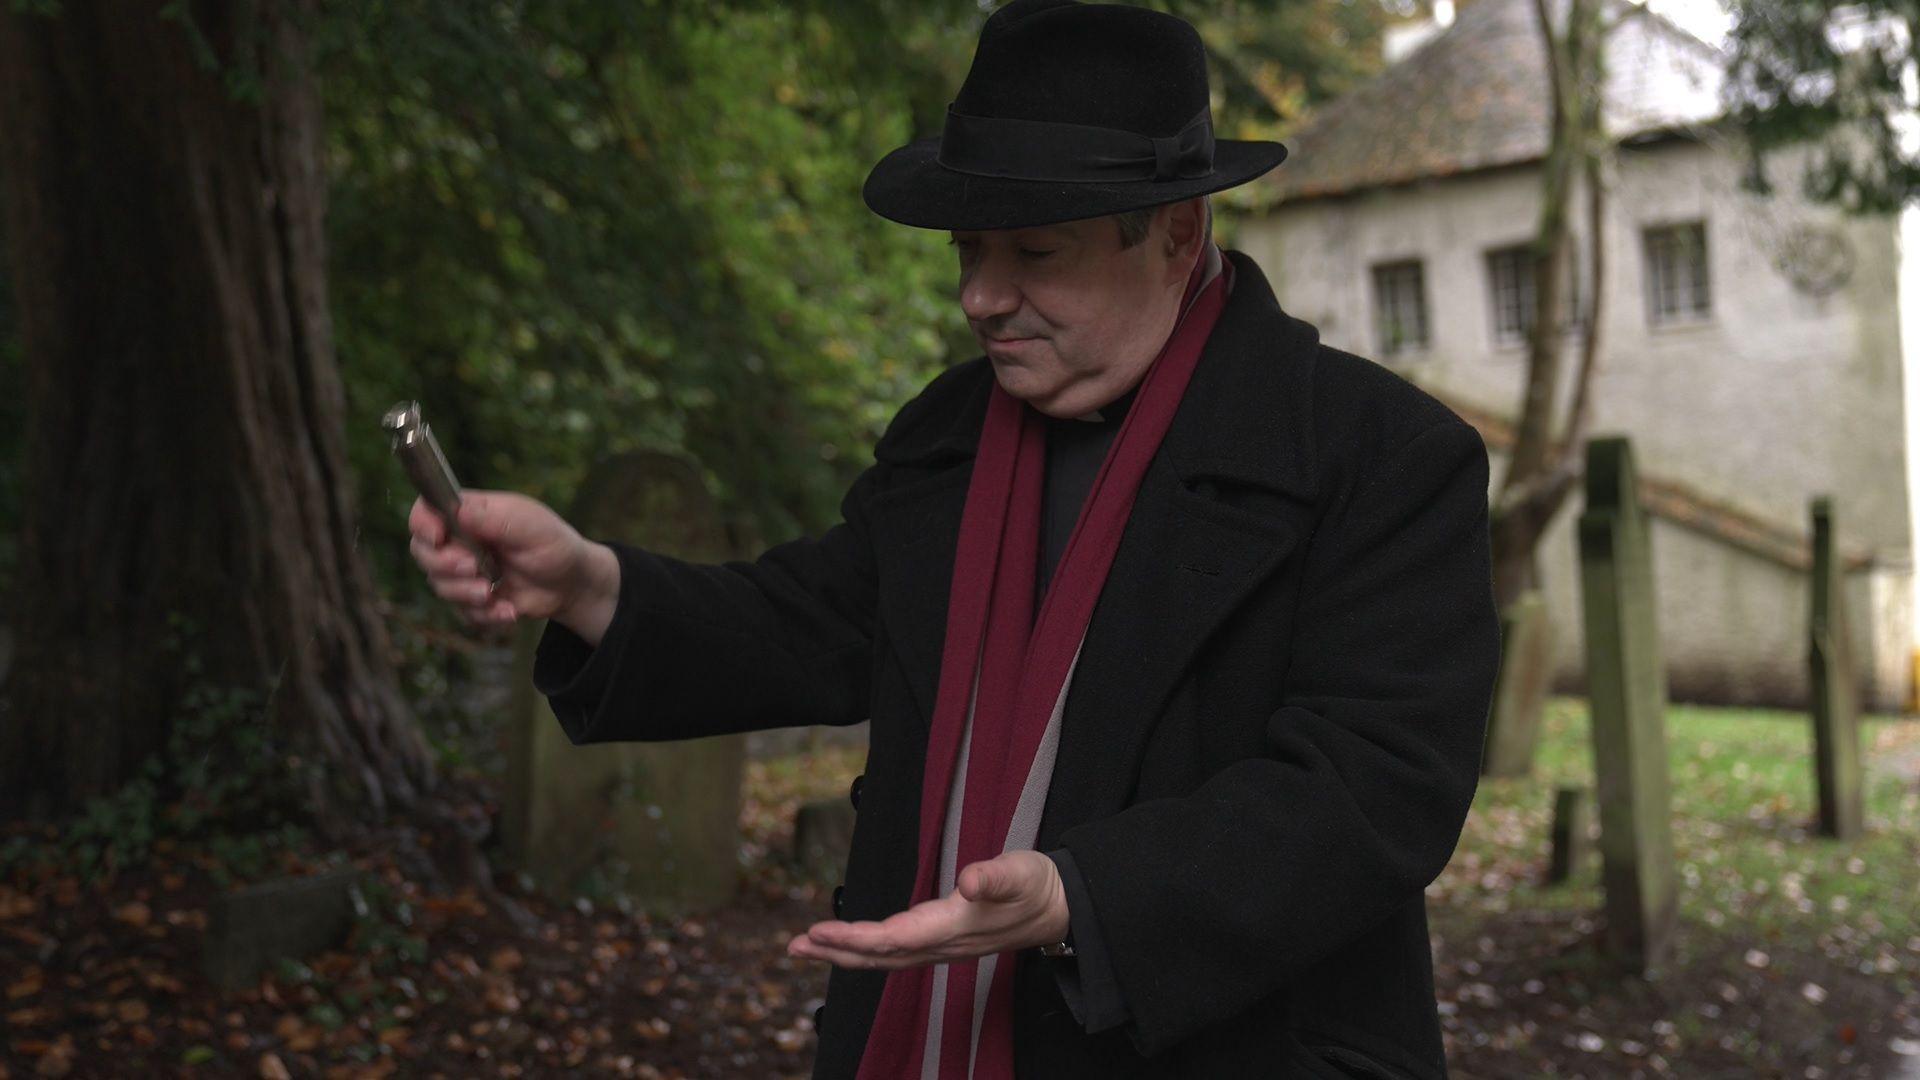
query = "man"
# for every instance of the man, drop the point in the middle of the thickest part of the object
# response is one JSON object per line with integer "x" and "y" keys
{"x": 1174, "y": 625}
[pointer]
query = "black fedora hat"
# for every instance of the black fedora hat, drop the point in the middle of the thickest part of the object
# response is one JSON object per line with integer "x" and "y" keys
{"x": 1069, "y": 111}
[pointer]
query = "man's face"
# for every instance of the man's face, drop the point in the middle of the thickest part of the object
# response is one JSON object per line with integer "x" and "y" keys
{"x": 1069, "y": 318}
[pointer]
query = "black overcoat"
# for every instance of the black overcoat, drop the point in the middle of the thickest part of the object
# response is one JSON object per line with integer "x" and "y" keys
{"x": 1273, "y": 733}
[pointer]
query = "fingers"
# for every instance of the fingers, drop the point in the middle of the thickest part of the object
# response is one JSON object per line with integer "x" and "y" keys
{"x": 453, "y": 570}
{"x": 425, "y": 523}
{"x": 454, "y": 574}
{"x": 480, "y": 606}
{"x": 996, "y": 879}
{"x": 467, "y": 589}
{"x": 982, "y": 881}
{"x": 804, "y": 947}
{"x": 490, "y": 518}
{"x": 498, "y": 613}
{"x": 444, "y": 560}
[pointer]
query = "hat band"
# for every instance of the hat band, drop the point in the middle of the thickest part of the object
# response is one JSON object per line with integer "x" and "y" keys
{"x": 1073, "y": 153}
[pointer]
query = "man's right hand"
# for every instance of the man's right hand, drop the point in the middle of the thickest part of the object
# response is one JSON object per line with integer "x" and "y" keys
{"x": 547, "y": 569}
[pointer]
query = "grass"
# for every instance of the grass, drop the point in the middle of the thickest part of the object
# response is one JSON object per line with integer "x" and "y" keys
{"x": 1743, "y": 806}
{"x": 1791, "y": 953}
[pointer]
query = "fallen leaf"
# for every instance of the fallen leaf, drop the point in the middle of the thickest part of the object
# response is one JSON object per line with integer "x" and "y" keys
{"x": 28, "y": 985}
{"x": 15, "y": 904}
{"x": 133, "y": 914}
{"x": 272, "y": 1068}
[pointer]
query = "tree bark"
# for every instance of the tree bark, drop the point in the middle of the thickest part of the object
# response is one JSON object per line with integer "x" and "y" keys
{"x": 1544, "y": 464}
{"x": 164, "y": 193}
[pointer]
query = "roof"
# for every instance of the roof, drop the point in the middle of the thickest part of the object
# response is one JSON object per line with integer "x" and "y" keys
{"x": 1476, "y": 97}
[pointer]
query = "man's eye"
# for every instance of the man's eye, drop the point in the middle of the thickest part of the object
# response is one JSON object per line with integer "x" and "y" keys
{"x": 1035, "y": 253}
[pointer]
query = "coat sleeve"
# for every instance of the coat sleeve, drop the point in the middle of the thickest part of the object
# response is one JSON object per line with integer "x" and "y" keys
{"x": 1212, "y": 901}
{"x": 1086, "y": 978}
{"x": 698, "y": 649}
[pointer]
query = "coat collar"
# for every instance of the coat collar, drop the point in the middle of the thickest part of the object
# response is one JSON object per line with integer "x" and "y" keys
{"x": 1195, "y": 546}
{"x": 1246, "y": 415}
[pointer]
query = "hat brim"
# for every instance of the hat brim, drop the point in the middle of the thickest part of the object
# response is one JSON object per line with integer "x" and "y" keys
{"x": 911, "y": 187}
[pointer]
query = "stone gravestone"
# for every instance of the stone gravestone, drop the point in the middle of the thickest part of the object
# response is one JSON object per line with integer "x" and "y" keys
{"x": 1627, "y": 686}
{"x": 656, "y": 822}
{"x": 822, "y": 836}
{"x": 1836, "y": 724}
{"x": 1572, "y": 846}
{"x": 1520, "y": 690}
{"x": 249, "y": 930}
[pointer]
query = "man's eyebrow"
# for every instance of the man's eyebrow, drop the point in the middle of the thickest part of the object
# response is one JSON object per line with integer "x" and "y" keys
{"x": 1044, "y": 234}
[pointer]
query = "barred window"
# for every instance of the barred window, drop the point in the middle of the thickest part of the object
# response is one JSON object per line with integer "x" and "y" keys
{"x": 1676, "y": 272}
{"x": 1400, "y": 305}
{"x": 1510, "y": 281}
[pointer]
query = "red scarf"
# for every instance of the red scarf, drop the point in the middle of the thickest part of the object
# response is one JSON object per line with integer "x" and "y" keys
{"x": 1023, "y": 665}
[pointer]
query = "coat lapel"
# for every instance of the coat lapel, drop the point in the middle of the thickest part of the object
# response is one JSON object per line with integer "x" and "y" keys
{"x": 1193, "y": 548}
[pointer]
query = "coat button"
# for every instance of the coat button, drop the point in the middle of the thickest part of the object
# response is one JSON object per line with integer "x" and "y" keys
{"x": 839, "y": 895}
{"x": 853, "y": 793}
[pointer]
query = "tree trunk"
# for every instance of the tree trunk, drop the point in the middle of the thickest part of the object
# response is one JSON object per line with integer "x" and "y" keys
{"x": 165, "y": 199}
{"x": 1543, "y": 463}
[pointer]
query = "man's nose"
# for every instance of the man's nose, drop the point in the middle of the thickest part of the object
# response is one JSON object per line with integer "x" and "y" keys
{"x": 987, "y": 290}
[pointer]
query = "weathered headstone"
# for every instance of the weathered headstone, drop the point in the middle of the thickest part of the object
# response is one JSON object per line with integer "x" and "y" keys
{"x": 249, "y": 930}
{"x": 1520, "y": 690}
{"x": 1836, "y": 710}
{"x": 1627, "y": 687}
{"x": 656, "y": 822}
{"x": 822, "y": 835}
{"x": 1572, "y": 835}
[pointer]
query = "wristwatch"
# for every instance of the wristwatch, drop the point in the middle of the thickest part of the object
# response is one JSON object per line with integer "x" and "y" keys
{"x": 1063, "y": 947}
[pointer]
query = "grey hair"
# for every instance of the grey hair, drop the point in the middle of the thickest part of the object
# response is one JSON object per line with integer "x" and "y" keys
{"x": 1135, "y": 223}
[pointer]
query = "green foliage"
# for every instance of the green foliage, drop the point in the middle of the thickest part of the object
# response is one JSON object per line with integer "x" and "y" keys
{"x": 575, "y": 230}
{"x": 572, "y": 230}
{"x": 433, "y": 662}
{"x": 224, "y": 782}
{"x": 1831, "y": 77}
{"x": 383, "y": 930}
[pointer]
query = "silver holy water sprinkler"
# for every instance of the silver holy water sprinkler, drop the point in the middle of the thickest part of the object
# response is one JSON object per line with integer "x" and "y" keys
{"x": 419, "y": 453}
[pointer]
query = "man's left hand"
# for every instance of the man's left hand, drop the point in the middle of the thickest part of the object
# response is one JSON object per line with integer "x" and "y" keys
{"x": 1006, "y": 903}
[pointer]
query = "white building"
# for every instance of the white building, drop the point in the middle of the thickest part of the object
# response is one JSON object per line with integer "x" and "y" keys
{"x": 1750, "y": 346}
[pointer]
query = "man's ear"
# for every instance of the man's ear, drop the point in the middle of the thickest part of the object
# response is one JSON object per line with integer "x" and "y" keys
{"x": 1186, "y": 230}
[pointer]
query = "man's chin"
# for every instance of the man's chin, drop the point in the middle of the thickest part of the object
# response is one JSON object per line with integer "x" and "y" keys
{"x": 1021, "y": 382}
{"x": 1016, "y": 378}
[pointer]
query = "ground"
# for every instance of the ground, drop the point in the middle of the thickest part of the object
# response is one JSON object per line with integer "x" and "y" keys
{"x": 1795, "y": 956}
